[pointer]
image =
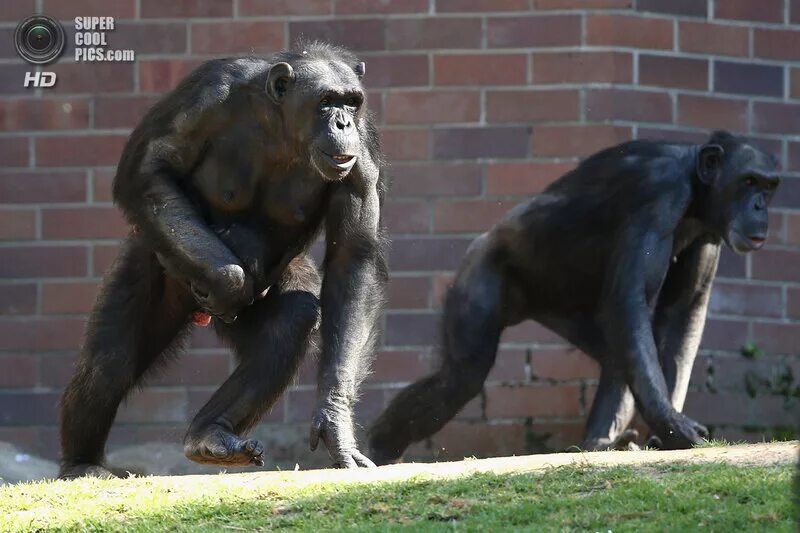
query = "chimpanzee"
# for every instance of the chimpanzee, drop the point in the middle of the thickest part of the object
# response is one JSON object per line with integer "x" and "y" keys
{"x": 618, "y": 257}
{"x": 227, "y": 181}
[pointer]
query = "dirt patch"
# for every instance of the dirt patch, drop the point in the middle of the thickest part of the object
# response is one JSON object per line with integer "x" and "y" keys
{"x": 746, "y": 454}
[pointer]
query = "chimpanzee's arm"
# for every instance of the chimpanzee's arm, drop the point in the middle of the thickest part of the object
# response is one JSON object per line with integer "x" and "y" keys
{"x": 146, "y": 189}
{"x": 681, "y": 314}
{"x": 641, "y": 261}
{"x": 352, "y": 298}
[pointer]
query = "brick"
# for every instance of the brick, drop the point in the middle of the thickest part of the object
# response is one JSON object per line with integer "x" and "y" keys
{"x": 686, "y": 8}
{"x": 460, "y": 439}
{"x": 744, "y": 78}
{"x": 731, "y": 264}
{"x": 101, "y": 185}
{"x": 364, "y": 34}
{"x": 461, "y": 69}
{"x": 677, "y": 72}
{"x": 42, "y": 261}
{"x": 711, "y": 112}
{"x": 436, "y": 179}
{"x": 438, "y": 253}
{"x": 747, "y": 10}
{"x": 160, "y": 75}
{"x": 671, "y": 134}
{"x": 529, "y": 331}
{"x": 532, "y": 106}
{"x": 630, "y": 31}
{"x": 407, "y": 217}
{"x": 533, "y": 31}
{"x": 17, "y": 299}
{"x": 237, "y": 37}
{"x": 12, "y": 78}
{"x": 352, "y": 7}
{"x": 794, "y": 11}
{"x": 398, "y": 366}
{"x": 746, "y": 300}
{"x": 433, "y": 33}
{"x": 777, "y": 233}
{"x": 495, "y": 142}
{"x": 248, "y": 8}
{"x": 469, "y": 216}
{"x": 776, "y": 44}
{"x": 82, "y": 150}
{"x": 151, "y": 38}
{"x": 522, "y": 178}
{"x": 14, "y": 151}
{"x": 776, "y": 265}
{"x": 121, "y": 111}
{"x": 103, "y": 256}
{"x": 562, "y": 365}
{"x": 582, "y": 67}
{"x": 41, "y": 334}
{"x": 565, "y": 141}
{"x": 207, "y": 369}
{"x": 509, "y": 366}
{"x": 405, "y": 144}
{"x": 794, "y": 82}
{"x": 707, "y": 38}
{"x": 793, "y": 303}
{"x": 42, "y": 187}
{"x": 623, "y": 104}
{"x": 86, "y": 78}
{"x": 397, "y": 71}
{"x": 728, "y": 335}
{"x": 415, "y": 107}
{"x": 471, "y": 6}
{"x": 536, "y": 401}
{"x": 409, "y": 293}
{"x": 17, "y": 224}
{"x": 154, "y": 405}
{"x": 28, "y": 408}
{"x": 792, "y": 229}
{"x": 17, "y": 11}
{"x": 582, "y": 4}
{"x": 19, "y": 371}
{"x": 40, "y": 114}
{"x": 769, "y": 117}
{"x": 418, "y": 329}
{"x": 119, "y": 9}
{"x": 62, "y": 297}
{"x": 186, "y": 8}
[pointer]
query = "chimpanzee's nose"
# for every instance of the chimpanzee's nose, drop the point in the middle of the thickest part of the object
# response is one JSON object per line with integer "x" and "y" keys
{"x": 343, "y": 124}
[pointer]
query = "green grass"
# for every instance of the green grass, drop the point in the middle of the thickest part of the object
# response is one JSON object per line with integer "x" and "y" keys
{"x": 675, "y": 497}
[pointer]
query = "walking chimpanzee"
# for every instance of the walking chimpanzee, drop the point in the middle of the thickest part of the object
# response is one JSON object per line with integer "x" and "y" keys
{"x": 227, "y": 182}
{"x": 617, "y": 257}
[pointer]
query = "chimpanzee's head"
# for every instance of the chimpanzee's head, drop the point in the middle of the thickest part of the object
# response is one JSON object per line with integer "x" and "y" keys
{"x": 322, "y": 101}
{"x": 739, "y": 181}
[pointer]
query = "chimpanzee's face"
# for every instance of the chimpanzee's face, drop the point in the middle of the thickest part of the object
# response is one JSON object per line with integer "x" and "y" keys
{"x": 745, "y": 184}
{"x": 324, "y": 105}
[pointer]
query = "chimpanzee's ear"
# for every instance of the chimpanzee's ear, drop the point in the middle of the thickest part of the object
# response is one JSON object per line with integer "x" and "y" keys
{"x": 279, "y": 79}
{"x": 709, "y": 163}
{"x": 360, "y": 69}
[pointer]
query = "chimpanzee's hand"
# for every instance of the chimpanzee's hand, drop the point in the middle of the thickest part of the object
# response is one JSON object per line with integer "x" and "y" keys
{"x": 335, "y": 427}
{"x": 228, "y": 291}
{"x": 681, "y": 433}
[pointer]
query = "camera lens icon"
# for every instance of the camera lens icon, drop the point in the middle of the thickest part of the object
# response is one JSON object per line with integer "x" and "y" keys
{"x": 39, "y": 39}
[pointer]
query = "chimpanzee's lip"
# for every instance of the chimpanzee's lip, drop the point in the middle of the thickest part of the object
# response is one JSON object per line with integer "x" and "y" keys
{"x": 757, "y": 241}
{"x": 340, "y": 161}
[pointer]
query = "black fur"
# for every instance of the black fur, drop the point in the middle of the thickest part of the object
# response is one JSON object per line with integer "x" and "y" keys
{"x": 226, "y": 182}
{"x": 618, "y": 257}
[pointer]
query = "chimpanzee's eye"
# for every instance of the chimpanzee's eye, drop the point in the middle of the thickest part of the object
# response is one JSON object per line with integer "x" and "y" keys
{"x": 750, "y": 181}
{"x": 353, "y": 102}
{"x": 325, "y": 102}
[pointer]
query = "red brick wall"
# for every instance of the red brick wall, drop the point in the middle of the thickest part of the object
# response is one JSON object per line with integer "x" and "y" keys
{"x": 481, "y": 103}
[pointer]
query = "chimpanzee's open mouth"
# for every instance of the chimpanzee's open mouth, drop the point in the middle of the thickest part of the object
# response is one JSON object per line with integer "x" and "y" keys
{"x": 340, "y": 161}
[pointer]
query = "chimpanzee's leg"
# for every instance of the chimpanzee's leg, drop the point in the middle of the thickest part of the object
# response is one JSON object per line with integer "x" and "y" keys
{"x": 140, "y": 314}
{"x": 270, "y": 337}
{"x": 472, "y": 326}
{"x": 612, "y": 411}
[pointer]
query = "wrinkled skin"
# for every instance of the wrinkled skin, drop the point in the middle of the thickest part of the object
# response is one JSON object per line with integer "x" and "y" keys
{"x": 227, "y": 182}
{"x": 618, "y": 257}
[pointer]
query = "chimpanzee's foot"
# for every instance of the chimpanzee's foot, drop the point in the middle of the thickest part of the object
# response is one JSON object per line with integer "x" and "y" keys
{"x": 217, "y": 446}
{"x": 84, "y": 470}
{"x": 625, "y": 441}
